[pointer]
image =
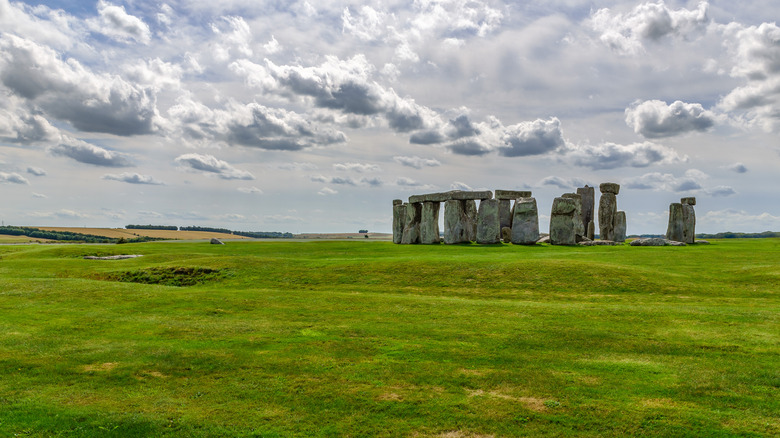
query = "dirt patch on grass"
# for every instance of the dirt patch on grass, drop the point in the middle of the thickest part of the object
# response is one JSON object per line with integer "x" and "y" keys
{"x": 390, "y": 396}
{"x": 531, "y": 403}
{"x": 100, "y": 367}
{"x": 167, "y": 276}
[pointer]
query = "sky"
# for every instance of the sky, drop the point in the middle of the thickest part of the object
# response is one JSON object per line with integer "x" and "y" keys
{"x": 312, "y": 116}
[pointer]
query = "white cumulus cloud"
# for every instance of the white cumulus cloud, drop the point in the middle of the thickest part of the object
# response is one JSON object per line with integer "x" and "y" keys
{"x": 656, "y": 119}
{"x": 210, "y": 164}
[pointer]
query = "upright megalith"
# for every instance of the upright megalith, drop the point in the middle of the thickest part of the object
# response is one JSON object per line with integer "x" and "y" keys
{"x": 562, "y": 218}
{"x": 620, "y": 227}
{"x": 412, "y": 225}
{"x": 429, "y": 223}
{"x": 579, "y": 227}
{"x": 674, "y": 231}
{"x": 505, "y": 198}
{"x": 455, "y": 222}
{"x": 588, "y": 196}
{"x": 591, "y": 233}
{"x": 470, "y": 207}
{"x": 399, "y": 220}
{"x": 689, "y": 219}
{"x": 488, "y": 224}
{"x": 608, "y": 210}
{"x": 525, "y": 222}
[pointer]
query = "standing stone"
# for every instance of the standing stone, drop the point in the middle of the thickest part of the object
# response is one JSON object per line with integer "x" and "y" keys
{"x": 591, "y": 230}
{"x": 620, "y": 227}
{"x": 588, "y": 195}
{"x": 505, "y": 213}
{"x": 579, "y": 227}
{"x": 676, "y": 224}
{"x": 506, "y": 234}
{"x": 455, "y": 222}
{"x": 488, "y": 224}
{"x": 525, "y": 222}
{"x": 471, "y": 218}
{"x": 399, "y": 220}
{"x": 562, "y": 222}
{"x": 412, "y": 225}
{"x": 608, "y": 210}
{"x": 689, "y": 223}
{"x": 429, "y": 224}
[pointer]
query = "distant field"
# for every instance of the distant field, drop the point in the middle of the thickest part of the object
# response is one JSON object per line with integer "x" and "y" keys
{"x": 116, "y": 233}
{"x": 20, "y": 239}
{"x": 366, "y": 338}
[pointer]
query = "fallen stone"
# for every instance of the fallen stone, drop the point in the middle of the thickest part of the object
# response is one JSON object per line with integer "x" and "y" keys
{"x": 511, "y": 195}
{"x": 215, "y": 241}
{"x": 544, "y": 239}
{"x": 525, "y": 222}
{"x": 655, "y": 241}
{"x": 701, "y": 242}
{"x": 488, "y": 225}
{"x": 609, "y": 187}
{"x": 113, "y": 257}
{"x": 429, "y": 223}
{"x": 598, "y": 243}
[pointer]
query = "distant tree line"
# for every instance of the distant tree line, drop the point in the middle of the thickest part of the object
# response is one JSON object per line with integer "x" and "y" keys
{"x": 152, "y": 227}
{"x": 731, "y": 235}
{"x": 207, "y": 229}
{"x": 264, "y": 234}
{"x": 66, "y": 236}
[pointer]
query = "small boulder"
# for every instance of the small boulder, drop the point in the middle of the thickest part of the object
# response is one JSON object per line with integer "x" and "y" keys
{"x": 215, "y": 241}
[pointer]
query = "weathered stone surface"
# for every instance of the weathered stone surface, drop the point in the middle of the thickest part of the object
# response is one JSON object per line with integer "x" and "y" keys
{"x": 506, "y": 234}
{"x": 215, "y": 241}
{"x": 674, "y": 231}
{"x": 609, "y": 187}
{"x": 620, "y": 227}
{"x": 588, "y": 196}
{"x": 397, "y": 202}
{"x": 453, "y": 194}
{"x": 579, "y": 227}
{"x": 505, "y": 212}
{"x": 688, "y": 201}
{"x": 455, "y": 222}
{"x": 525, "y": 222}
{"x": 544, "y": 239}
{"x": 562, "y": 222}
{"x": 702, "y": 242}
{"x": 689, "y": 223}
{"x": 511, "y": 195}
{"x": 429, "y": 223}
{"x": 598, "y": 243}
{"x": 675, "y": 243}
{"x": 579, "y": 239}
{"x": 591, "y": 230}
{"x": 607, "y": 212}
{"x": 412, "y": 225}
{"x": 655, "y": 241}
{"x": 471, "y": 217}
{"x": 488, "y": 225}
{"x": 399, "y": 220}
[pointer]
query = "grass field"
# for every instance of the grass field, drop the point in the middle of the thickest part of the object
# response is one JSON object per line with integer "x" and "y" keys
{"x": 365, "y": 338}
{"x": 116, "y": 233}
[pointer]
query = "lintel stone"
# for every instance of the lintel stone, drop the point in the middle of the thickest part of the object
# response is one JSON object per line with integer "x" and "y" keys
{"x": 511, "y": 194}
{"x": 457, "y": 195}
{"x": 689, "y": 201}
{"x": 608, "y": 187}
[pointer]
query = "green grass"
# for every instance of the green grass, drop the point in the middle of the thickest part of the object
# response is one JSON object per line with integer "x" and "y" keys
{"x": 375, "y": 339}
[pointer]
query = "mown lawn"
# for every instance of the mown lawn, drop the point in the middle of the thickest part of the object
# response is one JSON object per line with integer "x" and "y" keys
{"x": 375, "y": 339}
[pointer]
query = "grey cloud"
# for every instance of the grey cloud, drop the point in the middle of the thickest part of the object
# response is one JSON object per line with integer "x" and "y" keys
{"x": 250, "y": 190}
{"x": 133, "y": 178}
{"x": 654, "y": 119}
{"x": 117, "y": 24}
{"x": 372, "y": 181}
{"x": 691, "y": 181}
{"x": 737, "y": 167}
{"x": 563, "y": 183}
{"x": 68, "y": 91}
{"x": 532, "y": 138}
{"x": 457, "y": 185}
{"x": 37, "y": 171}
{"x": 427, "y": 137}
{"x": 407, "y": 182}
{"x": 612, "y": 155}
{"x": 13, "y": 178}
{"x": 87, "y": 153}
{"x": 417, "y": 162}
{"x": 212, "y": 165}
{"x": 721, "y": 191}
{"x": 470, "y": 146}
{"x": 357, "y": 167}
{"x": 334, "y": 180}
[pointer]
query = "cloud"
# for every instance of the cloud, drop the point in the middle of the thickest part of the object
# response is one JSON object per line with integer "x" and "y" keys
{"x": 61, "y": 214}
{"x": 612, "y": 155}
{"x": 20, "y": 125}
{"x": 133, "y": 178}
{"x": 67, "y": 90}
{"x": 532, "y": 138}
{"x": 297, "y": 166}
{"x": 371, "y": 181}
{"x": 626, "y": 33}
{"x": 12, "y": 178}
{"x": 691, "y": 181}
{"x": 357, "y": 167}
{"x": 563, "y": 183}
{"x": 212, "y": 165}
{"x": 416, "y": 162}
{"x": 39, "y": 195}
{"x": 327, "y": 191}
{"x": 88, "y": 153}
{"x": 457, "y": 185}
{"x": 654, "y": 119}
{"x": 37, "y": 171}
{"x": 117, "y": 24}
{"x": 334, "y": 180}
{"x": 737, "y": 167}
{"x": 250, "y": 190}
{"x": 721, "y": 191}
{"x": 739, "y": 220}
